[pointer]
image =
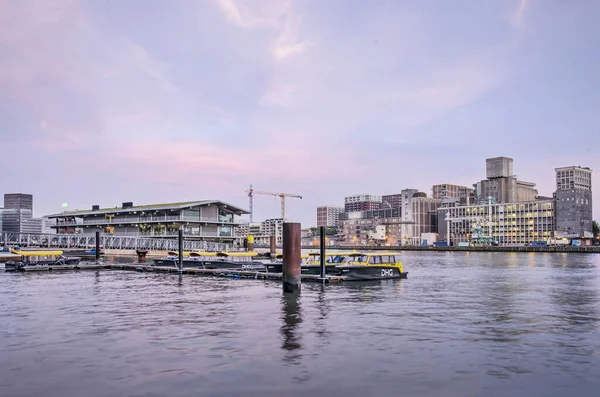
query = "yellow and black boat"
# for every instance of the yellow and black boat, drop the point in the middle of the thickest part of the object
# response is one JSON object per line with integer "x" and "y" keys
{"x": 372, "y": 266}
{"x": 277, "y": 266}
{"x": 332, "y": 261}
{"x": 46, "y": 259}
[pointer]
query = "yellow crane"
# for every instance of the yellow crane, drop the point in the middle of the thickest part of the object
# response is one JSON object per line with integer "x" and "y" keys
{"x": 251, "y": 192}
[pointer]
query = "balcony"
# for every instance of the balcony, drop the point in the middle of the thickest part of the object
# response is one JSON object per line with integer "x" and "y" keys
{"x": 140, "y": 219}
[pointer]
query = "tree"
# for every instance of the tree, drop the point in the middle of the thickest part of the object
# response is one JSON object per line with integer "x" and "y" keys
{"x": 595, "y": 228}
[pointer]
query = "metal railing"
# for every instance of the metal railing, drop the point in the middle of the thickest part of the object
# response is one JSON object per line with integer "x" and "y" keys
{"x": 142, "y": 219}
{"x": 87, "y": 241}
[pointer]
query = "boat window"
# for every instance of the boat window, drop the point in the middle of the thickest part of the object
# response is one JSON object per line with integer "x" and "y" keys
{"x": 392, "y": 259}
{"x": 375, "y": 260}
{"x": 359, "y": 258}
{"x": 385, "y": 259}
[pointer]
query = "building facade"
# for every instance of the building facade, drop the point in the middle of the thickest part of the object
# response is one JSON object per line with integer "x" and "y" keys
{"x": 17, "y": 216}
{"x": 574, "y": 201}
{"x": 447, "y": 190}
{"x": 328, "y": 216}
{"x": 391, "y": 201}
{"x": 505, "y": 224}
{"x": 203, "y": 220}
{"x": 362, "y": 202}
{"x": 262, "y": 231}
{"x": 424, "y": 219}
{"x": 501, "y": 185}
{"x": 377, "y": 227}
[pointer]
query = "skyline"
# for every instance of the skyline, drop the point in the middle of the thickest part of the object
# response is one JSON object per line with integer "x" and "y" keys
{"x": 166, "y": 102}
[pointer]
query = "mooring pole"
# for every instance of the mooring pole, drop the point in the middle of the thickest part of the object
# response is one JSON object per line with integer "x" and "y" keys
{"x": 291, "y": 257}
{"x": 322, "y": 251}
{"x": 181, "y": 250}
{"x": 97, "y": 246}
{"x": 273, "y": 246}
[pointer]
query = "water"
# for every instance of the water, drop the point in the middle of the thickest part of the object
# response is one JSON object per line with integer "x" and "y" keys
{"x": 462, "y": 324}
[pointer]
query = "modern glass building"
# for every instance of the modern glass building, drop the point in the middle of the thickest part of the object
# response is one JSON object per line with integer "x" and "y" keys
{"x": 207, "y": 220}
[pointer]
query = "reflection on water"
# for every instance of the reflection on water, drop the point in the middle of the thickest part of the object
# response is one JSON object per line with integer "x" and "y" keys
{"x": 291, "y": 318}
{"x": 462, "y": 324}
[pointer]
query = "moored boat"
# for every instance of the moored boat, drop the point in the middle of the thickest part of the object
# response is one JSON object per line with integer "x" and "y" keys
{"x": 277, "y": 266}
{"x": 194, "y": 259}
{"x": 235, "y": 260}
{"x": 332, "y": 261}
{"x": 372, "y": 266}
{"x": 47, "y": 259}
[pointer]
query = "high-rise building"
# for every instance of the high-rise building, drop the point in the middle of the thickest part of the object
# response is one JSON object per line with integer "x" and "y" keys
{"x": 424, "y": 218}
{"x": 17, "y": 215}
{"x": 328, "y": 216}
{"x": 574, "y": 201}
{"x": 501, "y": 185}
{"x": 18, "y": 201}
{"x": 362, "y": 202}
{"x": 390, "y": 201}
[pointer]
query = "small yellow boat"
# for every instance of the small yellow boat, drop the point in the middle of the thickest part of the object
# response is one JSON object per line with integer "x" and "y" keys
{"x": 373, "y": 265}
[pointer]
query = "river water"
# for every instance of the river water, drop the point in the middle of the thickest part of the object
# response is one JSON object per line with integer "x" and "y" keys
{"x": 462, "y": 324}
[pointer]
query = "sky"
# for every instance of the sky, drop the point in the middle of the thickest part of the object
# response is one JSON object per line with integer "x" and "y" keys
{"x": 152, "y": 101}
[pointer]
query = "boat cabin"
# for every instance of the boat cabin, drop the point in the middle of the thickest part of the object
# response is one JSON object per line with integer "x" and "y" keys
{"x": 237, "y": 256}
{"x": 336, "y": 258}
{"x": 375, "y": 259}
{"x": 36, "y": 256}
{"x": 203, "y": 255}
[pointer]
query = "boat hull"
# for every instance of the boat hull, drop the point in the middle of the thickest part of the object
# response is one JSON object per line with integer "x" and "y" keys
{"x": 208, "y": 264}
{"x": 316, "y": 270}
{"x": 259, "y": 266}
{"x": 13, "y": 266}
{"x": 362, "y": 272}
{"x": 187, "y": 263}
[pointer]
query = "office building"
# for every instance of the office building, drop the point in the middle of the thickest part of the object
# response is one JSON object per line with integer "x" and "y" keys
{"x": 211, "y": 220}
{"x": 505, "y": 224}
{"x": 17, "y": 216}
{"x": 501, "y": 185}
{"x": 574, "y": 201}
{"x": 328, "y": 216}
{"x": 362, "y": 202}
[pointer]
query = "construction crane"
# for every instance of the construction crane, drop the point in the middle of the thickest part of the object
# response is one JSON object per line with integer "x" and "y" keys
{"x": 251, "y": 192}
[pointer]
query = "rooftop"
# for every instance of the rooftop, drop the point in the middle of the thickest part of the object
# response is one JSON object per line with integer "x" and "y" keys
{"x": 152, "y": 207}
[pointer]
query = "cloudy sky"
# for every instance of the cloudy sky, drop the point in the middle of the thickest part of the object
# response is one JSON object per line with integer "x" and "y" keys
{"x": 107, "y": 101}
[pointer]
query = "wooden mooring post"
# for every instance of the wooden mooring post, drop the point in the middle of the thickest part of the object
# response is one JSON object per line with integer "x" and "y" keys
{"x": 292, "y": 239}
{"x": 322, "y": 252}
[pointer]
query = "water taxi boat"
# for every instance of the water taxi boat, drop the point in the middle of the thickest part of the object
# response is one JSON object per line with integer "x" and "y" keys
{"x": 372, "y": 266}
{"x": 332, "y": 261}
{"x": 235, "y": 260}
{"x": 277, "y": 266}
{"x": 46, "y": 259}
{"x": 193, "y": 259}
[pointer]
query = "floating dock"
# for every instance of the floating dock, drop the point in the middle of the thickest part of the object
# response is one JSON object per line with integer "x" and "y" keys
{"x": 144, "y": 267}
